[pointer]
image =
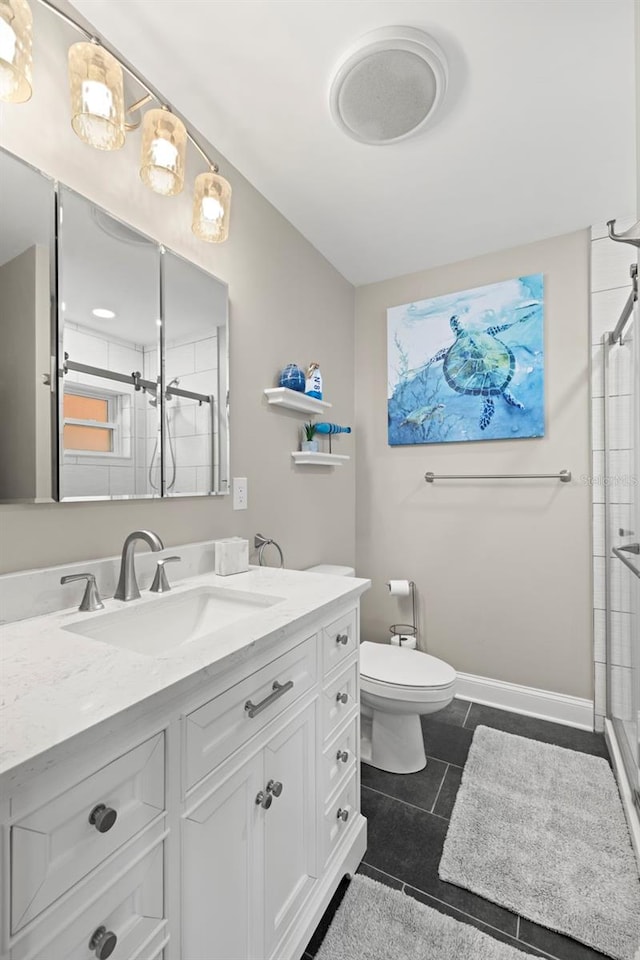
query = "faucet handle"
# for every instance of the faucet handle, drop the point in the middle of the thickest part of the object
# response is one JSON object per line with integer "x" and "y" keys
{"x": 91, "y": 600}
{"x": 160, "y": 583}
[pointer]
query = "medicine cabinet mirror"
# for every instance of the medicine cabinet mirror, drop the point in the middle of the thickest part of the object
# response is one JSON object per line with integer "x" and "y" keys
{"x": 114, "y": 360}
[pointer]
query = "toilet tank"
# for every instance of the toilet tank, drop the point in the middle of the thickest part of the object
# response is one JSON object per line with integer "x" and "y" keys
{"x": 333, "y": 569}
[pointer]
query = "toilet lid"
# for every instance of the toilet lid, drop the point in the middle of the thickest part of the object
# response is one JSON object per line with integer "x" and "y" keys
{"x": 408, "y": 668}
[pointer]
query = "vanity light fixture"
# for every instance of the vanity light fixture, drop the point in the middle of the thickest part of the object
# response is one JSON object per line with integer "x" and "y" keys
{"x": 211, "y": 204}
{"x": 99, "y": 116}
{"x": 103, "y": 314}
{"x": 164, "y": 145}
{"x": 16, "y": 23}
{"x": 97, "y": 96}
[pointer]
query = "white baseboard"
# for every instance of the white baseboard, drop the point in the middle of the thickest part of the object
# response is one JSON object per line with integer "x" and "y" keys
{"x": 631, "y": 814}
{"x": 572, "y": 711}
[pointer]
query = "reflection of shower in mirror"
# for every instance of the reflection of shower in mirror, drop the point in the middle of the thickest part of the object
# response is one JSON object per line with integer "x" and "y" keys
{"x": 153, "y": 402}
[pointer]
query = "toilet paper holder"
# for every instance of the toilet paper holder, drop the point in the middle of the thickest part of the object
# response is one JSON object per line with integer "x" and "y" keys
{"x": 407, "y": 629}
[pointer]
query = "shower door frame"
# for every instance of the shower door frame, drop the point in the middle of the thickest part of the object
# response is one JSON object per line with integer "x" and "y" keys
{"x": 626, "y": 765}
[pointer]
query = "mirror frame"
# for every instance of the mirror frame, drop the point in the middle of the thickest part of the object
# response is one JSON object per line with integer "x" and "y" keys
{"x": 54, "y": 378}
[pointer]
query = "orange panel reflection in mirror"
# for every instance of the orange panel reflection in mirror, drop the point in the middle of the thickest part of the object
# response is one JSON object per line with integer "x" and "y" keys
{"x": 78, "y": 436}
{"x": 87, "y": 438}
{"x": 77, "y": 407}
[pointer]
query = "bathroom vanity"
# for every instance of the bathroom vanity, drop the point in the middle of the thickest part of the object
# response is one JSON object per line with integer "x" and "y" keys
{"x": 194, "y": 799}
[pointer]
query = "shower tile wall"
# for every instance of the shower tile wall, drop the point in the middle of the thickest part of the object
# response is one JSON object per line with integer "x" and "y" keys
{"x": 610, "y": 287}
{"x": 195, "y": 364}
{"x": 86, "y": 476}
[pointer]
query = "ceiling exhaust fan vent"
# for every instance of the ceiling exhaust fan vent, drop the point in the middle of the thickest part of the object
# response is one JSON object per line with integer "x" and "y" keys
{"x": 389, "y": 86}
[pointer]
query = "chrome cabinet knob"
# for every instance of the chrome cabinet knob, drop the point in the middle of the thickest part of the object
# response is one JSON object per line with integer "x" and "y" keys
{"x": 342, "y": 756}
{"x": 342, "y": 697}
{"x": 342, "y": 638}
{"x": 342, "y": 815}
{"x": 103, "y": 818}
{"x": 264, "y": 800}
{"x": 274, "y": 787}
{"x": 103, "y": 943}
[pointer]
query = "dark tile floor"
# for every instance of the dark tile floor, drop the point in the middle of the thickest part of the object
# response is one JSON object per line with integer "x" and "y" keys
{"x": 408, "y": 817}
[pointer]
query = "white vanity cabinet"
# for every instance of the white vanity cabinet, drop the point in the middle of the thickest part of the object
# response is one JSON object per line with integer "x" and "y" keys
{"x": 214, "y": 825}
{"x": 250, "y": 850}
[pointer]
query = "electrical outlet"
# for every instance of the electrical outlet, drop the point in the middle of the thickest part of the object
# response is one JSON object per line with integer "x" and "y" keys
{"x": 240, "y": 493}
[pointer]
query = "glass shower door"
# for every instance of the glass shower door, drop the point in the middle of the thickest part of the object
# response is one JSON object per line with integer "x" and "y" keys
{"x": 622, "y": 451}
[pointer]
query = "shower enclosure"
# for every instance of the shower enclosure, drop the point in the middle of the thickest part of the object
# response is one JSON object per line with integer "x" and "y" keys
{"x": 622, "y": 532}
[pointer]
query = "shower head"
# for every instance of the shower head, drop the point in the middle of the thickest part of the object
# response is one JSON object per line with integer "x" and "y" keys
{"x": 153, "y": 401}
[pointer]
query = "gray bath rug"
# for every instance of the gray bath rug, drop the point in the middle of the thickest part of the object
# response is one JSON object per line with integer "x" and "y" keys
{"x": 374, "y": 922}
{"x": 541, "y": 830}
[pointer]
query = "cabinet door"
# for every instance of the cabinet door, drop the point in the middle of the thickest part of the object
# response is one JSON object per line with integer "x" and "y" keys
{"x": 222, "y": 869}
{"x": 290, "y": 866}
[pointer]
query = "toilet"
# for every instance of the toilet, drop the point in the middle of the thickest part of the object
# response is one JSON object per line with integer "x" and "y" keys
{"x": 397, "y": 687}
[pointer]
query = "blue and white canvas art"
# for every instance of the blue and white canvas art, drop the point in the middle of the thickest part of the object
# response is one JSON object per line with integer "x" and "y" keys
{"x": 469, "y": 365}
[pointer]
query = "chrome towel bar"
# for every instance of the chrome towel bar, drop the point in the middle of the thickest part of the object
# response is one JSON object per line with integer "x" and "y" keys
{"x": 564, "y": 476}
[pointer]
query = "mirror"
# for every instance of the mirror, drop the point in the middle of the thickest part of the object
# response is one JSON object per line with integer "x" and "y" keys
{"x": 109, "y": 313}
{"x": 195, "y": 460}
{"x": 118, "y": 386}
{"x": 27, "y": 206}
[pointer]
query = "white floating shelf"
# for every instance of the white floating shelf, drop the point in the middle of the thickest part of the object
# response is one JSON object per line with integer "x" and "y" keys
{"x": 308, "y": 458}
{"x": 293, "y": 400}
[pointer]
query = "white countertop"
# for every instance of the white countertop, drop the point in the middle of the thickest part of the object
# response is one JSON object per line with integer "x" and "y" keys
{"x": 56, "y": 684}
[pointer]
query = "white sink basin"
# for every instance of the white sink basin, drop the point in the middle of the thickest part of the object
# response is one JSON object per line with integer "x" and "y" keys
{"x": 170, "y": 621}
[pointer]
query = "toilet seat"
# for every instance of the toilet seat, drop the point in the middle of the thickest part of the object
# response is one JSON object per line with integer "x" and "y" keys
{"x": 383, "y": 665}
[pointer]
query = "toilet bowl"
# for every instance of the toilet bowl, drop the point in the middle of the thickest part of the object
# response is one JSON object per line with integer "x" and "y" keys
{"x": 397, "y": 687}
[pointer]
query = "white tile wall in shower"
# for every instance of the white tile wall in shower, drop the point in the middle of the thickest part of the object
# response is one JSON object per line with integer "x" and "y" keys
{"x": 610, "y": 265}
{"x": 606, "y": 305}
{"x": 195, "y": 364}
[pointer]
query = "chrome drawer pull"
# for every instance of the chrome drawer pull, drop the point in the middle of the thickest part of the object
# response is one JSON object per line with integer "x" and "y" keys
{"x": 274, "y": 787}
{"x": 103, "y": 817}
{"x": 342, "y": 755}
{"x": 253, "y": 709}
{"x": 264, "y": 800}
{"x": 103, "y": 942}
{"x": 342, "y": 815}
{"x": 342, "y": 697}
{"x": 342, "y": 638}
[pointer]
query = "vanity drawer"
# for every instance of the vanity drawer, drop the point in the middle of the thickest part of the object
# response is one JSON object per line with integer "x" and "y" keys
{"x": 339, "y": 697}
{"x": 339, "y": 640}
{"x": 339, "y": 817}
{"x": 338, "y": 759}
{"x": 56, "y": 846}
{"x": 131, "y": 911}
{"x": 220, "y": 726}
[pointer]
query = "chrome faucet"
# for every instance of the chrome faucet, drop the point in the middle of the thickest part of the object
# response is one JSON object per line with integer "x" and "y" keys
{"x": 127, "y": 588}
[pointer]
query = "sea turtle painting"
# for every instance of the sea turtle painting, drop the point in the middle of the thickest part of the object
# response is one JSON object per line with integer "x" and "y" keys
{"x": 479, "y": 364}
{"x": 468, "y": 366}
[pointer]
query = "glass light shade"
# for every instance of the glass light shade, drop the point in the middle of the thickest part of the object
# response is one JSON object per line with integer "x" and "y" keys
{"x": 211, "y": 207}
{"x": 97, "y": 96}
{"x": 164, "y": 144}
{"x": 16, "y": 23}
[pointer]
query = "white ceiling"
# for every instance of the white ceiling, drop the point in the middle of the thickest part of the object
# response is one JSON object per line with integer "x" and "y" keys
{"x": 535, "y": 138}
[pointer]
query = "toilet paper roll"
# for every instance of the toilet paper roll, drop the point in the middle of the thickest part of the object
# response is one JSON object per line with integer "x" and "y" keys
{"x": 399, "y": 588}
{"x": 409, "y": 643}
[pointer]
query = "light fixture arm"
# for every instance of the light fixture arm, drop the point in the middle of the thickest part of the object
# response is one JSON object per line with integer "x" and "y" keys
{"x": 150, "y": 92}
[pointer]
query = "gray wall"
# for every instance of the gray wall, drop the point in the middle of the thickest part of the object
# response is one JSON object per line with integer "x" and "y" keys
{"x": 502, "y": 569}
{"x": 24, "y": 400}
{"x": 287, "y": 304}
